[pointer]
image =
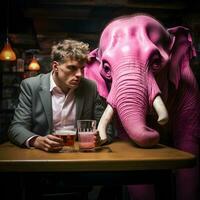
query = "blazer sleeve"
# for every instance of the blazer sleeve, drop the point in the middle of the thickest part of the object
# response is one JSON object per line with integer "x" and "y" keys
{"x": 19, "y": 130}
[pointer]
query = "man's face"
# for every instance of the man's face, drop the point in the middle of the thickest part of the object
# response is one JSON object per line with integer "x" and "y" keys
{"x": 68, "y": 75}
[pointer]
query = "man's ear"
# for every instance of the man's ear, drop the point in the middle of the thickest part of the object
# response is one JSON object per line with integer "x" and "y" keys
{"x": 54, "y": 66}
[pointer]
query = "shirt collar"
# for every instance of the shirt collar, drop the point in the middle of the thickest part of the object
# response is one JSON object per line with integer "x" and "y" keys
{"x": 54, "y": 87}
{"x": 52, "y": 83}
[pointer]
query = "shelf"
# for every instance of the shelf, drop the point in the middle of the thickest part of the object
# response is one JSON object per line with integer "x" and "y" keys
{"x": 11, "y": 72}
{"x": 10, "y": 81}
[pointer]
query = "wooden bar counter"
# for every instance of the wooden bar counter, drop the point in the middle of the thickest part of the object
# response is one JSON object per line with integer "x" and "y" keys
{"x": 124, "y": 156}
{"x": 126, "y": 164}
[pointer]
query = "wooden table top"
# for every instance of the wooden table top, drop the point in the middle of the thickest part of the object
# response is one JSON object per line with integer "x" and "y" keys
{"x": 125, "y": 156}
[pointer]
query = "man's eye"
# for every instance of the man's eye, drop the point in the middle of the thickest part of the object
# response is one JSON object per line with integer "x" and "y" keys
{"x": 72, "y": 68}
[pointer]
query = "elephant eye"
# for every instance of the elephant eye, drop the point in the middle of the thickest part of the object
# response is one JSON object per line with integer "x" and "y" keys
{"x": 106, "y": 68}
{"x": 156, "y": 62}
{"x": 106, "y": 72}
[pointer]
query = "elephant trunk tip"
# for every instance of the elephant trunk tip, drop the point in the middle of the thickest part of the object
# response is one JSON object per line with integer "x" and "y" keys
{"x": 147, "y": 138}
{"x": 148, "y": 143}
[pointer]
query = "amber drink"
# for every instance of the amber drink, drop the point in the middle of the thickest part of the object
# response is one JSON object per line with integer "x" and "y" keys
{"x": 68, "y": 137}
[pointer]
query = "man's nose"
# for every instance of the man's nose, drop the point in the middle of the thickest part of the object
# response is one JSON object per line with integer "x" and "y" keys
{"x": 79, "y": 72}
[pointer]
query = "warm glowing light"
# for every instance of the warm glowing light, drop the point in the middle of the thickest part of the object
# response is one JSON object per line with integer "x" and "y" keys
{"x": 7, "y": 52}
{"x": 34, "y": 65}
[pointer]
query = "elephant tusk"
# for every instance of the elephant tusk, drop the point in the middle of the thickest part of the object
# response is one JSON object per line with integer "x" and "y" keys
{"x": 103, "y": 123}
{"x": 161, "y": 110}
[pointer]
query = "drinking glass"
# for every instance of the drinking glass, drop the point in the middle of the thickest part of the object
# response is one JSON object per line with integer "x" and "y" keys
{"x": 86, "y": 131}
{"x": 68, "y": 136}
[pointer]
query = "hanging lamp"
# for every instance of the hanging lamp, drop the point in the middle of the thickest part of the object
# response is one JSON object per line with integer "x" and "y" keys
{"x": 7, "y": 53}
{"x": 34, "y": 65}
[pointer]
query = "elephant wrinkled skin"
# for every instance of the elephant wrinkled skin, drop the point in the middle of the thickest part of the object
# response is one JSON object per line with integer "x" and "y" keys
{"x": 143, "y": 70}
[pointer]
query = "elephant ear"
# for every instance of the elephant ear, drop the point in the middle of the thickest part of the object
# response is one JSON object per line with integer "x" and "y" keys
{"x": 92, "y": 71}
{"x": 181, "y": 53}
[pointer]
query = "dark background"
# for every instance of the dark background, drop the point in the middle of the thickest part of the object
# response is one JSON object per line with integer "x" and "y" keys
{"x": 37, "y": 24}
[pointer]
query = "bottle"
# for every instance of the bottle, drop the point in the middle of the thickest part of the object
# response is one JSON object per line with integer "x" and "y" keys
{"x": 20, "y": 65}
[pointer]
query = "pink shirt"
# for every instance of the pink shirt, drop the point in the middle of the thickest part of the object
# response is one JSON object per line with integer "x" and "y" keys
{"x": 63, "y": 107}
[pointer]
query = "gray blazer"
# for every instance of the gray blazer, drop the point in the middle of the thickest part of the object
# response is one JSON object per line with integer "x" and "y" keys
{"x": 33, "y": 114}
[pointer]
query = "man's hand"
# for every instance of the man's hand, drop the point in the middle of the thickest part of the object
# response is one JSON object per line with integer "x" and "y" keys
{"x": 49, "y": 143}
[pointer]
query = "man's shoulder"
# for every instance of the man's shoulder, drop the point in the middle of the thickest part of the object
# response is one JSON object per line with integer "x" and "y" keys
{"x": 35, "y": 81}
{"x": 88, "y": 82}
{"x": 87, "y": 86}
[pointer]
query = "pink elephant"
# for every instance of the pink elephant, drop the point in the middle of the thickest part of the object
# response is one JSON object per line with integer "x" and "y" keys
{"x": 143, "y": 71}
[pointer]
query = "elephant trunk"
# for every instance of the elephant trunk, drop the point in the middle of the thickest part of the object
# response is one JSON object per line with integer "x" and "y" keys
{"x": 129, "y": 96}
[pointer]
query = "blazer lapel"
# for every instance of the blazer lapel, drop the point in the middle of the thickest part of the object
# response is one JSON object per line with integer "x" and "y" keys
{"x": 45, "y": 96}
{"x": 79, "y": 102}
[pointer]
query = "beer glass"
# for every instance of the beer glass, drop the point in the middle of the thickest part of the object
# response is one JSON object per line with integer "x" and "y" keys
{"x": 68, "y": 136}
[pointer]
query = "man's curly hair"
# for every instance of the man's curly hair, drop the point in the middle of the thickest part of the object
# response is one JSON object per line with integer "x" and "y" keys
{"x": 70, "y": 49}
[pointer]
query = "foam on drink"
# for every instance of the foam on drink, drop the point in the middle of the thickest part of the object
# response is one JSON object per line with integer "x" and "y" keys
{"x": 68, "y": 136}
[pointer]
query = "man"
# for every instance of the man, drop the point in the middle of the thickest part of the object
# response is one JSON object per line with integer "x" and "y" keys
{"x": 56, "y": 99}
{"x": 61, "y": 97}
